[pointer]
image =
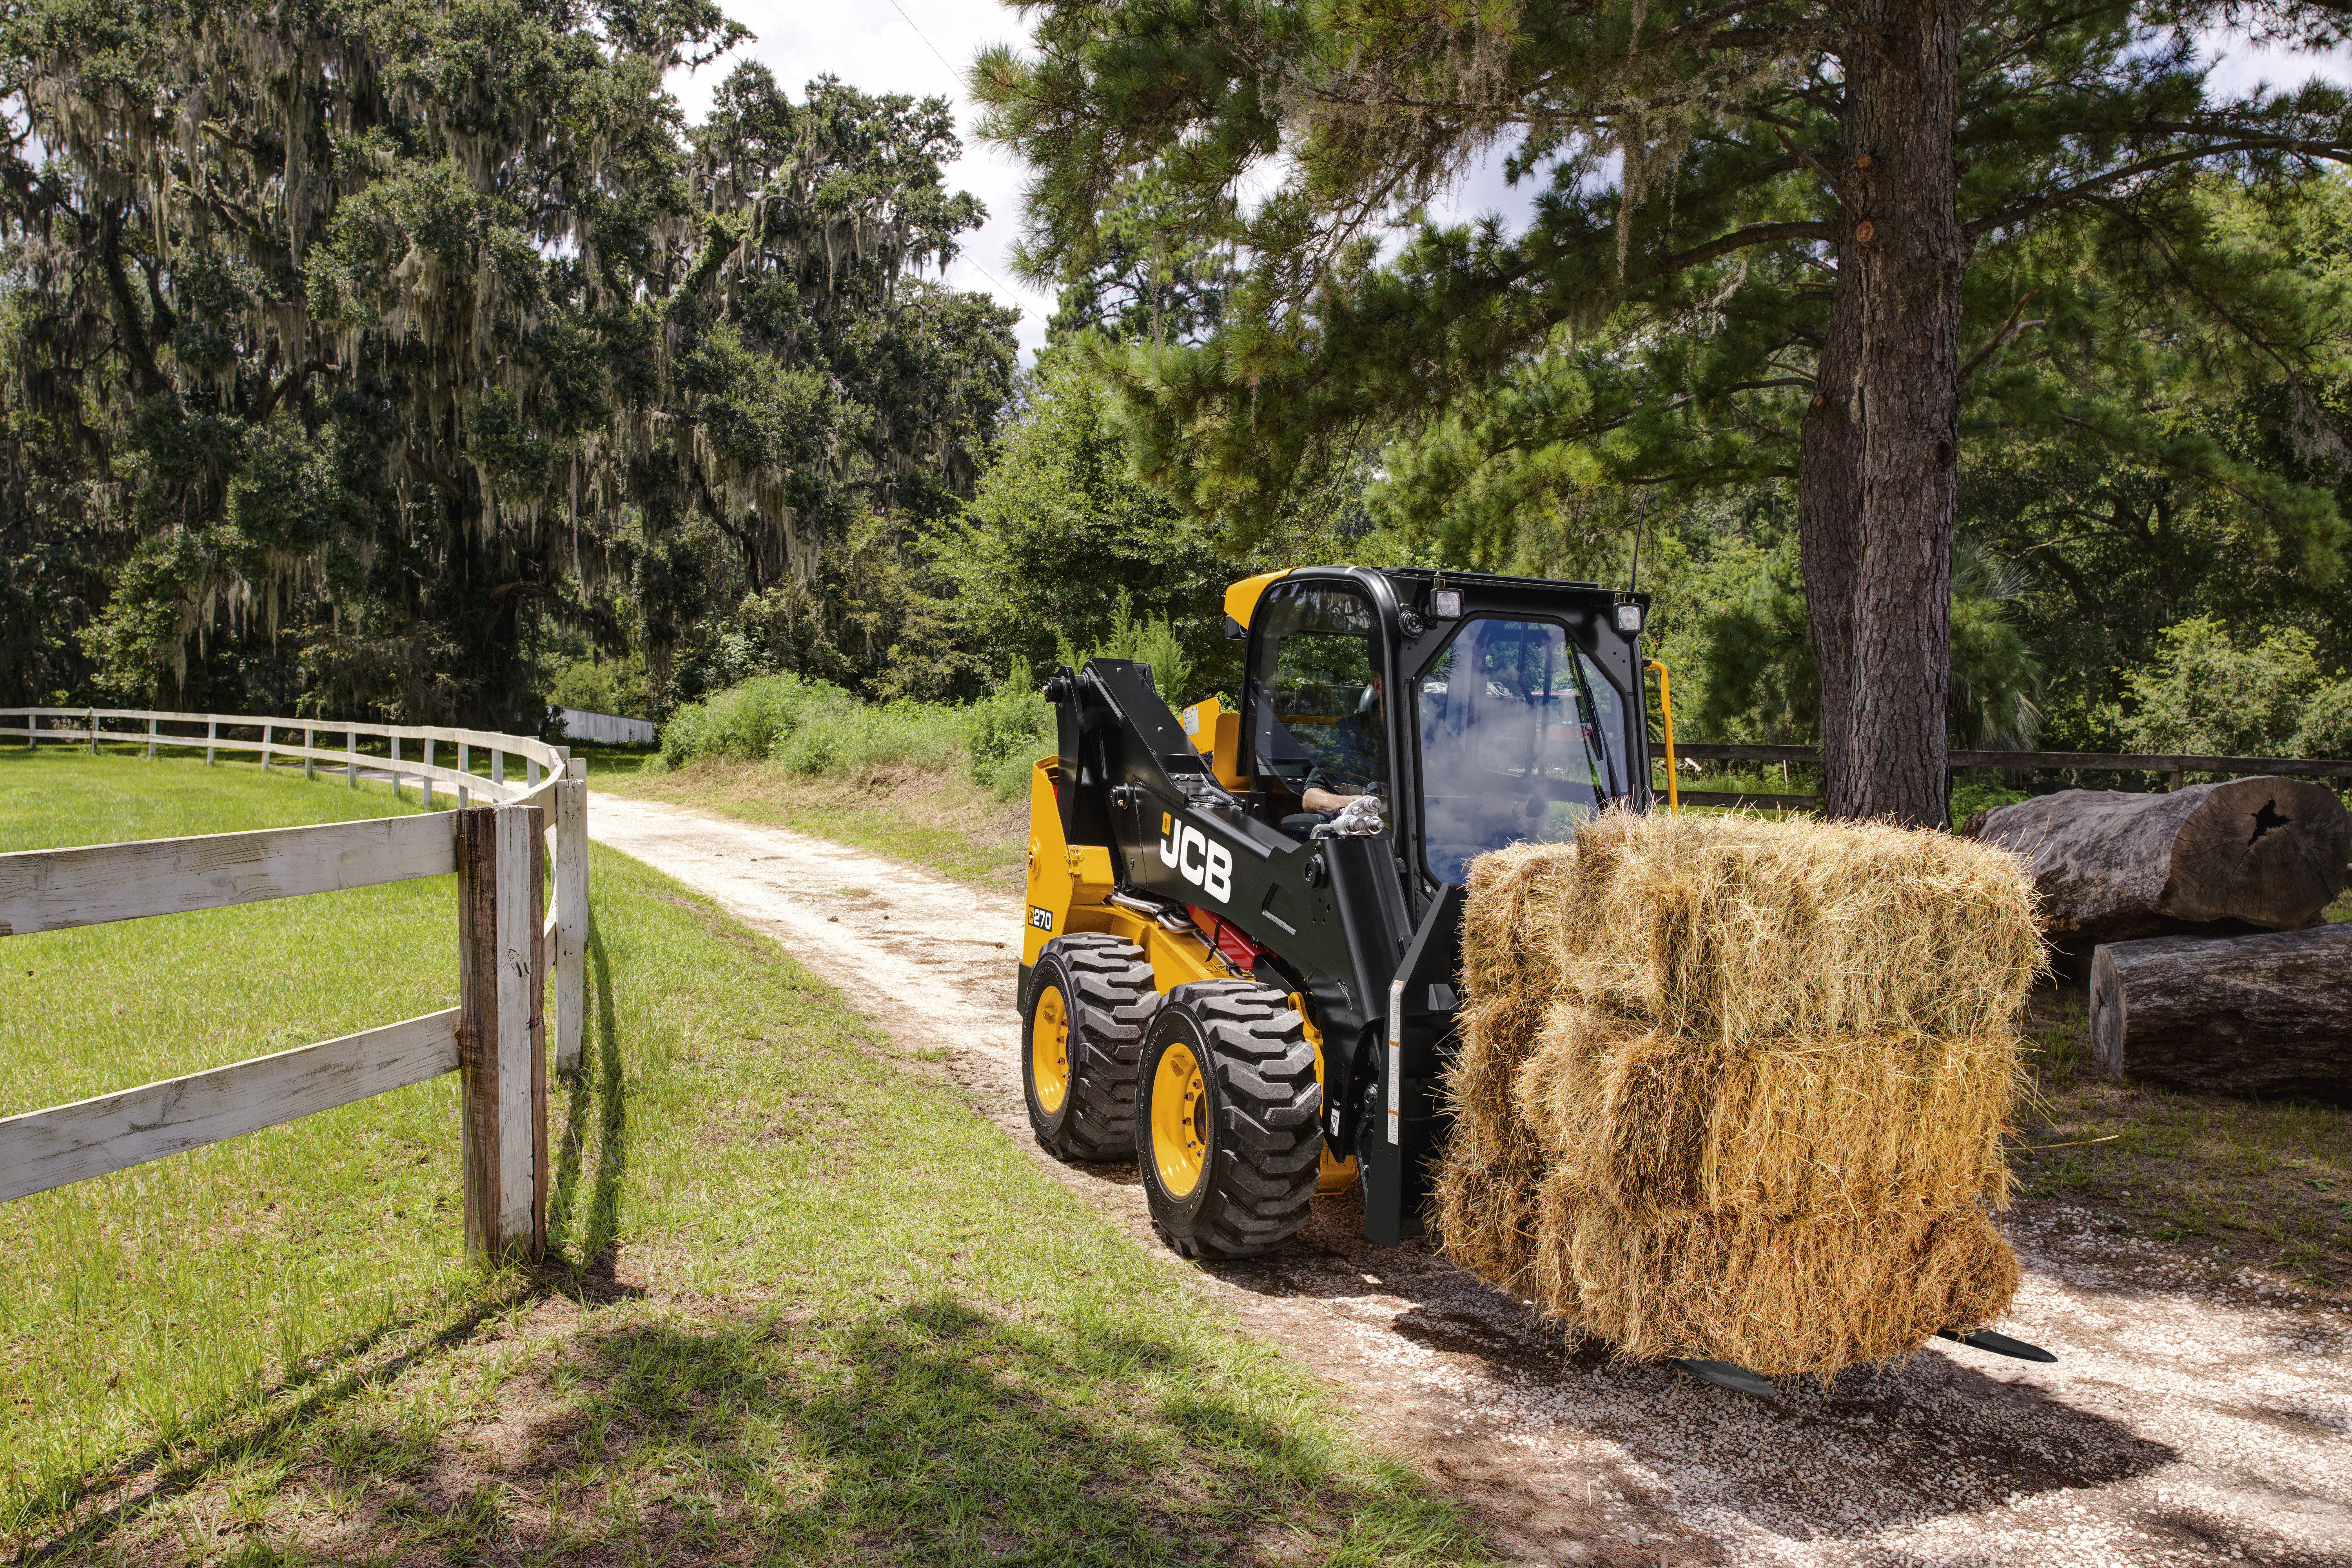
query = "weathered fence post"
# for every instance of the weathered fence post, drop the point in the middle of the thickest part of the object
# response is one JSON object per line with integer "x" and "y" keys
{"x": 572, "y": 917}
{"x": 351, "y": 759}
{"x": 466, "y": 767}
{"x": 211, "y": 734}
{"x": 93, "y": 731}
{"x": 502, "y": 1065}
{"x": 309, "y": 744}
{"x": 498, "y": 766}
{"x": 531, "y": 772}
{"x": 392, "y": 743}
{"x": 424, "y": 781}
{"x": 31, "y": 731}
{"x": 266, "y": 728}
{"x": 151, "y": 737}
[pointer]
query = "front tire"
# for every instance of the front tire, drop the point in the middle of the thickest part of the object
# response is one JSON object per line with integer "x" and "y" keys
{"x": 1090, "y": 997}
{"x": 1227, "y": 1129}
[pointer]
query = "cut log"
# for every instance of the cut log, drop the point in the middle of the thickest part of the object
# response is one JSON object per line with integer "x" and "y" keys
{"x": 2269, "y": 852}
{"x": 2248, "y": 1015}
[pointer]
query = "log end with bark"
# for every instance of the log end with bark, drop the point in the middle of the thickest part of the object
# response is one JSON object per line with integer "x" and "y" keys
{"x": 2248, "y": 1015}
{"x": 2266, "y": 852}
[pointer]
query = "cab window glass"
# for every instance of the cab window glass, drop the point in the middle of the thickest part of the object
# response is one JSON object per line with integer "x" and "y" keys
{"x": 1313, "y": 691}
{"x": 1514, "y": 741}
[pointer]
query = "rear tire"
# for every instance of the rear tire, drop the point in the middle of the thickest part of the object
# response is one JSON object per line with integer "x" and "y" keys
{"x": 1227, "y": 1127}
{"x": 1090, "y": 997}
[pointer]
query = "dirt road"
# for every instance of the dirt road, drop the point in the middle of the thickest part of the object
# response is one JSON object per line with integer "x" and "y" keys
{"x": 2186, "y": 1420}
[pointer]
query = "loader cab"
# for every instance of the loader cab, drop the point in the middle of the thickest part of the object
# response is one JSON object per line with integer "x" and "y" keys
{"x": 1485, "y": 711}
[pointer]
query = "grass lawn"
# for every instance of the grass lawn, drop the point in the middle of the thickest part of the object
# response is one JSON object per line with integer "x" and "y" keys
{"x": 2264, "y": 1184}
{"x": 806, "y": 1307}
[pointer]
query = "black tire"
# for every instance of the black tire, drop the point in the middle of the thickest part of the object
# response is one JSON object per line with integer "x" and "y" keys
{"x": 1255, "y": 1121}
{"x": 1107, "y": 998}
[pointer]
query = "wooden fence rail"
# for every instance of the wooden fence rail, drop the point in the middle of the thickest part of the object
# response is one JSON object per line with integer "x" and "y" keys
{"x": 2175, "y": 766}
{"x": 496, "y": 1036}
{"x": 87, "y": 728}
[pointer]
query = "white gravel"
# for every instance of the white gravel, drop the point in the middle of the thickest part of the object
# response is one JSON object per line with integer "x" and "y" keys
{"x": 2188, "y": 1419}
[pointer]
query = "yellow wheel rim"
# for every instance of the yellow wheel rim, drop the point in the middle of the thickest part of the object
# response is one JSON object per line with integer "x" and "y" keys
{"x": 1180, "y": 1120}
{"x": 1049, "y": 1049}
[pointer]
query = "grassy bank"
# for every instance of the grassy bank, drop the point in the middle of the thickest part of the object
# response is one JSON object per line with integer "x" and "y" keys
{"x": 807, "y": 1306}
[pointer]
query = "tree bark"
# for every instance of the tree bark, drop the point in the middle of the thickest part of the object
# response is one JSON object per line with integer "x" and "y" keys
{"x": 2266, "y": 851}
{"x": 1875, "y": 515}
{"x": 1829, "y": 519}
{"x": 2245, "y": 1015}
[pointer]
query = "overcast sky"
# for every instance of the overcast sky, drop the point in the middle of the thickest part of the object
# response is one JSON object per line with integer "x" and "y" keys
{"x": 924, "y": 47}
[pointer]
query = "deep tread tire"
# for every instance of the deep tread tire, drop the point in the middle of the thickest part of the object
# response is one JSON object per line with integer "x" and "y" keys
{"x": 1266, "y": 1138}
{"x": 1107, "y": 987}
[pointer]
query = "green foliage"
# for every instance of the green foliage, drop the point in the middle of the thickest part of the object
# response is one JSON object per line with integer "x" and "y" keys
{"x": 2326, "y": 727}
{"x": 1061, "y": 540}
{"x": 1659, "y": 321}
{"x": 813, "y": 729}
{"x": 1010, "y": 728}
{"x": 1973, "y": 795}
{"x": 602, "y": 685}
{"x": 747, "y": 723}
{"x": 1151, "y": 641}
{"x": 1761, "y": 683}
{"x": 2210, "y": 694}
{"x": 856, "y": 739}
{"x": 459, "y": 341}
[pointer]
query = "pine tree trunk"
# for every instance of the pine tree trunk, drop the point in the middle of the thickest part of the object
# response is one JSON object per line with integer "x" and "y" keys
{"x": 1829, "y": 519}
{"x": 1878, "y": 475}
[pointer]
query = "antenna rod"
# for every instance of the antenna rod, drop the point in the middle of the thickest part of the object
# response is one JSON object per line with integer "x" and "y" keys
{"x": 1640, "y": 516}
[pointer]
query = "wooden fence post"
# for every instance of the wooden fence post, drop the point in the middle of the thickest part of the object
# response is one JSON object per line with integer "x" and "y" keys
{"x": 31, "y": 731}
{"x": 572, "y": 917}
{"x": 351, "y": 759}
{"x": 498, "y": 766}
{"x": 392, "y": 743}
{"x": 93, "y": 731}
{"x": 266, "y": 728}
{"x": 424, "y": 781}
{"x": 466, "y": 767}
{"x": 212, "y": 733}
{"x": 531, "y": 772}
{"x": 151, "y": 737}
{"x": 502, "y": 1065}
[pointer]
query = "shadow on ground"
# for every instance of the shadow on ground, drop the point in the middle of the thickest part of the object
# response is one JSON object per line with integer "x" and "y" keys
{"x": 1927, "y": 1439}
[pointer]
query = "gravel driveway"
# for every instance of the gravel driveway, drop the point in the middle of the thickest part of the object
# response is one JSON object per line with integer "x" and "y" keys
{"x": 2185, "y": 1420}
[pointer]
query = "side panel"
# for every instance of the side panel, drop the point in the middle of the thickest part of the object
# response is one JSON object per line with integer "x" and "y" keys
{"x": 1066, "y": 883}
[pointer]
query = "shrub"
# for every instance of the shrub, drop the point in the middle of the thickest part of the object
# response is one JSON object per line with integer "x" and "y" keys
{"x": 2326, "y": 727}
{"x": 854, "y": 739}
{"x": 1009, "y": 729}
{"x": 2205, "y": 694}
{"x": 601, "y": 686}
{"x": 746, "y": 722}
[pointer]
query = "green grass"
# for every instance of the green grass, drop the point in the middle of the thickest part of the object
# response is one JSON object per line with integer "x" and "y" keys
{"x": 807, "y": 1306}
{"x": 2268, "y": 1183}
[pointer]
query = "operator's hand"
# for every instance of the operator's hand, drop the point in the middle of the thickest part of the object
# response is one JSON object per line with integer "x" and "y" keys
{"x": 1318, "y": 799}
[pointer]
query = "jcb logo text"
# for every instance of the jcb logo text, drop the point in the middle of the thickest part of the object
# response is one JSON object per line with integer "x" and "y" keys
{"x": 1209, "y": 867}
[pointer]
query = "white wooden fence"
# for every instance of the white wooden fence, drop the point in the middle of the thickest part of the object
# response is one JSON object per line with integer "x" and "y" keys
{"x": 495, "y": 1037}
